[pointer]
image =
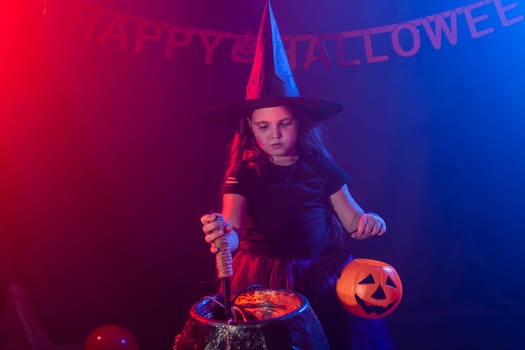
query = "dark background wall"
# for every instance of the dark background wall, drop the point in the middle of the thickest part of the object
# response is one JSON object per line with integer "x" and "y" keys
{"x": 106, "y": 164}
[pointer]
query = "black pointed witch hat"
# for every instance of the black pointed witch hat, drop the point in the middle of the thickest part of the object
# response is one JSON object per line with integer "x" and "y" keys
{"x": 271, "y": 82}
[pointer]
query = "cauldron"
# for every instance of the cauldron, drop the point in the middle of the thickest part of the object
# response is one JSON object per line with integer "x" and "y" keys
{"x": 264, "y": 319}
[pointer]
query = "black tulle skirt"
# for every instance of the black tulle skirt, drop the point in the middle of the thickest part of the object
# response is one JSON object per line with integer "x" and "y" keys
{"x": 314, "y": 278}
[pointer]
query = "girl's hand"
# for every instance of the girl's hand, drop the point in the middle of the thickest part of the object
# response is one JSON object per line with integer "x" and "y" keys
{"x": 214, "y": 226}
{"x": 369, "y": 225}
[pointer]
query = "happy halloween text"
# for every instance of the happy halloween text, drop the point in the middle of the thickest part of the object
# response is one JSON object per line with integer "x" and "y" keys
{"x": 350, "y": 48}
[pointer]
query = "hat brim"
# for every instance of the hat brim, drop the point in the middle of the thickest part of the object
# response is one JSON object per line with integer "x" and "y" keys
{"x": 228, "y": 115}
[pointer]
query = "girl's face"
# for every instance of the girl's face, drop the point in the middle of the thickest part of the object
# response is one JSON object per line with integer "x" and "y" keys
{"x": 275, "y": 131}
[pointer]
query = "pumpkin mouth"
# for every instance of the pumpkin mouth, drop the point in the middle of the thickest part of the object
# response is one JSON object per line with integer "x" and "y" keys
{"x": 376, "y": 309}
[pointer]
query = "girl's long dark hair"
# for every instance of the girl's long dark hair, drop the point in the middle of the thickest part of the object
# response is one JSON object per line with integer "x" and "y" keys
{"x": 244, "y": 150}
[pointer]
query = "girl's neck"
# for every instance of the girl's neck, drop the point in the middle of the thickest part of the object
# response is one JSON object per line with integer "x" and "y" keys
{"x": 284, "y": 160}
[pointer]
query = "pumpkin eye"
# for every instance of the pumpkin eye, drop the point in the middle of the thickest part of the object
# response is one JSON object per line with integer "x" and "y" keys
{"x": 390, "y": 283}
{"x": 367, "y": 280}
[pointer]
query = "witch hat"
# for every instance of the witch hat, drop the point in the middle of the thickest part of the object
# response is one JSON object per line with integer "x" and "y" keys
{"x": 271, "y": 82}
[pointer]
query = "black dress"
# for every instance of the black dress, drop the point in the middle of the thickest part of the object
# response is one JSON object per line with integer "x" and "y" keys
{"x": 290, "y": 242}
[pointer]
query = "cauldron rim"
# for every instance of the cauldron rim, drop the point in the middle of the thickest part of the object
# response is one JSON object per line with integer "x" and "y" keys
{"x": 304, "y": 304}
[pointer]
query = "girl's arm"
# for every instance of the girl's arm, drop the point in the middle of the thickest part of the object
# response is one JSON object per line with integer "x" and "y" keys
{"x": 234, "y": 212}
{"x": 360, "y": 224}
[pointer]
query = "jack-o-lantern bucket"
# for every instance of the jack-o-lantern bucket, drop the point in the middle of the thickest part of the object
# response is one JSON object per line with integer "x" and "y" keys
{"x": 369, "y": 288}
{"x": 264, "y": 319}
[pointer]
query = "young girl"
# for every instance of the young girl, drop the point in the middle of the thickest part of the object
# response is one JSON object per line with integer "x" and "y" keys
{"x": 283, "y": 197}
{"x": 287, "y": 210}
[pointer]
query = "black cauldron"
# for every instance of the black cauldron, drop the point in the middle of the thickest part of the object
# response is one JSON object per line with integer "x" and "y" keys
{"x": 264, "y": 319}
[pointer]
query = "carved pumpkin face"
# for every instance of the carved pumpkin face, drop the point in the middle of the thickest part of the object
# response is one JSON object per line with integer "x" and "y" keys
{"x": 369, "y": 288}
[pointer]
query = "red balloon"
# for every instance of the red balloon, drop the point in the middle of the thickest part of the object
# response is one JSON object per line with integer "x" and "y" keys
{"x": 111, "y": 337}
